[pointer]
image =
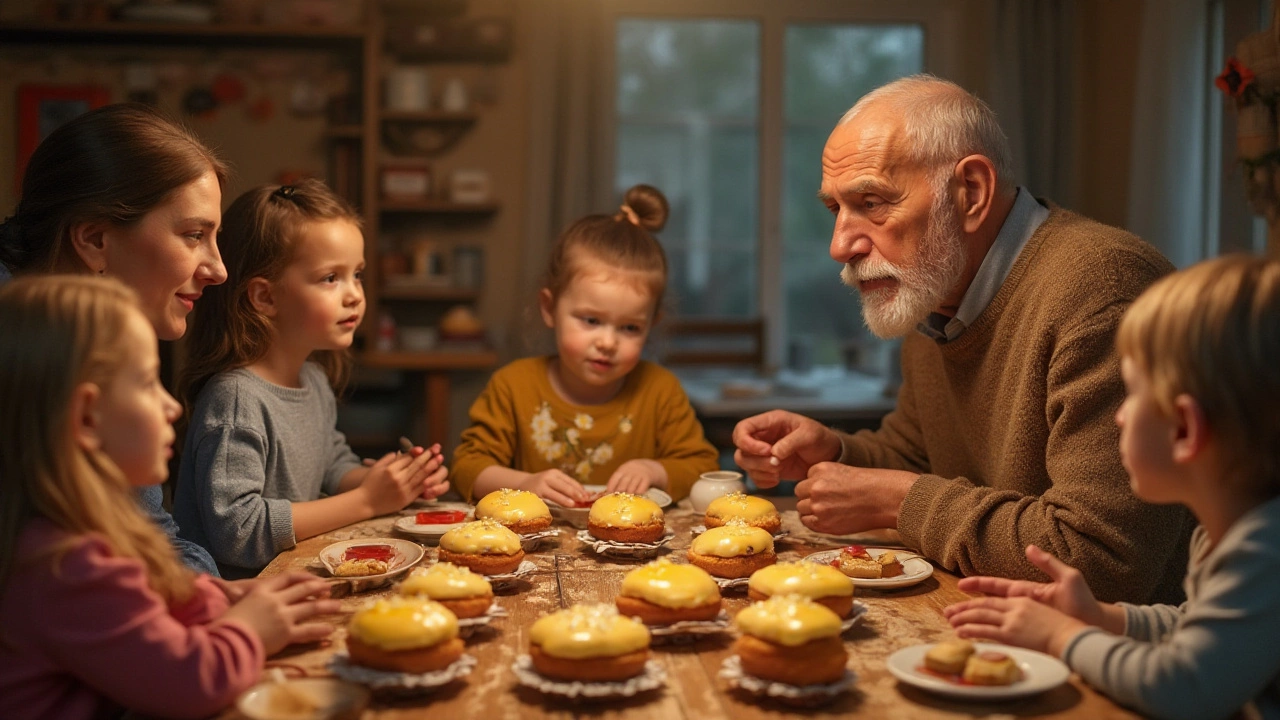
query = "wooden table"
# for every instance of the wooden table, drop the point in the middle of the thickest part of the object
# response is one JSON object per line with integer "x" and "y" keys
{"x": 568, "y": 573}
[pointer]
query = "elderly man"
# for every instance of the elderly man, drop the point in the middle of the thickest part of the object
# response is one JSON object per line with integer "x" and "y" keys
{"x": 1003, "y": 435}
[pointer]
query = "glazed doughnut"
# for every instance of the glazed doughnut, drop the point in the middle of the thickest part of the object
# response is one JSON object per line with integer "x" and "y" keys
{"x": 623, "y": 517}
{"x": 821, "y": 583}
{"x": 662, "y": 593}
{"x": 484, "y": 546}
{"x": 404, "y": 634}
{"x": 465, "y": 593}
{"x": 521, "y": 511}
{"x": 791, "y": 639}
{"x": 754, "y": 511}
{"x": 591, "y": 643}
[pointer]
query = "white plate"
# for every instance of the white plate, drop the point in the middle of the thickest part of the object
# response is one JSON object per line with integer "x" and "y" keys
{"x": 1040, "y": 672}
{"x": 577, "y": 517}
{"x": 915, "y": 569}
{"x": 408, "y": 525}
{"x": 404, "y": 555}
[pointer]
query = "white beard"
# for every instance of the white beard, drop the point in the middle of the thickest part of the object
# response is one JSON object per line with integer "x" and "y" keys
{"x": 894, "y": 311}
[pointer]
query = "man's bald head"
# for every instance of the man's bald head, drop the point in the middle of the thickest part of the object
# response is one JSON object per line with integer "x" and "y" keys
{"x": 941, "y": 122}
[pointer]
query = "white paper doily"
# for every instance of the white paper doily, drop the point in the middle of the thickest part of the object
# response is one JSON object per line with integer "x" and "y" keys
{"x": 652, "y": 678}
{"x": 855, "y": 617}
{"x": 804, "y": 695}
{"x": 625, "y": 550}
{"x": 531, "y": 541}
{"x": 408, "y": 683}
{"x": 689, "y": 630}
{"x": 731, "y": 583}
{"x": 502, "y": 581}
{"x": 467, "y": 626}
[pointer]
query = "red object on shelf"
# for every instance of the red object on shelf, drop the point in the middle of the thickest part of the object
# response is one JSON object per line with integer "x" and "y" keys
{"x": 42, "y": 108}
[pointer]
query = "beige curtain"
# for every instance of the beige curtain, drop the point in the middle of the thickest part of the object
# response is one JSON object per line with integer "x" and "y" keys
{"x": 561, "y": 47}
{"x": 1034, "y": 89}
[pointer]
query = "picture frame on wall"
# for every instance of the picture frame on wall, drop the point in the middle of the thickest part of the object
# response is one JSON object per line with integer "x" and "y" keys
{"x": 42, "y": 108}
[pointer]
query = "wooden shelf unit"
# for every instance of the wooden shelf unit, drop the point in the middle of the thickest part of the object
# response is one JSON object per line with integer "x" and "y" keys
{"x": 362, "y": 135}
{"x": 440, "y": 207}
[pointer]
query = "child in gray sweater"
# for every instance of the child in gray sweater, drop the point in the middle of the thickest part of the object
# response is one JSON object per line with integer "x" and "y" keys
{"x": 1199, "y": 352}
{"x": 263, "y": 465}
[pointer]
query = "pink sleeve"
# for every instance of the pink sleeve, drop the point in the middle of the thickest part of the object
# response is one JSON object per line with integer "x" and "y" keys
{"x": 108, "y": 628}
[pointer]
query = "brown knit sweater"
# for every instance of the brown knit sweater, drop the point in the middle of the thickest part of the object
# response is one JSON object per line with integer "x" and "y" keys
{"x": 1013, "y": 426}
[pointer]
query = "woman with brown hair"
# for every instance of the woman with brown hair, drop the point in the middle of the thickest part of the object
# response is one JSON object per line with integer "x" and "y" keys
{"x": 122, "y": 191}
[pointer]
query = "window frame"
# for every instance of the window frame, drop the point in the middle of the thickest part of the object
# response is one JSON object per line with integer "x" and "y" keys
{"x": 937, "y": 18}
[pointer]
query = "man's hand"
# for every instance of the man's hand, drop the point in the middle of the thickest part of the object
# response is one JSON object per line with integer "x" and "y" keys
{"x": 780, "y": 445}
{"x": 842, "y": 500}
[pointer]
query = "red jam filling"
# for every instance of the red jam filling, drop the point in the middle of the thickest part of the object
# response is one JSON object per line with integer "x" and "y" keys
{"x": 368, "y": 552}
{"x": 440, "y": 517}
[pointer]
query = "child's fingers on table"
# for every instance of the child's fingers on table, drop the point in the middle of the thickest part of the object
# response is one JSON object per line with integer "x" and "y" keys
{"x": 988, "y": 585}
{"x": 300, "y": 591}
{"x": 309, "y": 632}
{"x": 435, "y": 491}
{"x": 977, "y": 616}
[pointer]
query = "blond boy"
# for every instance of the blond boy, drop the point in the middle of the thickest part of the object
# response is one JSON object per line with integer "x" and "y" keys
{"x": 1200, "y": 425}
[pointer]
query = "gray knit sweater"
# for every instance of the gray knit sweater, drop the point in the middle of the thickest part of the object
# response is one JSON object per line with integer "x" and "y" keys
{"x": 253, "y": 448}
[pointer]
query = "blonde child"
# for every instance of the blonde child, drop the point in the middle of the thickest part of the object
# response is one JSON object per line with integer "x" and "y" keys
{"x": 1199, "y": 354}
{"x": 594, "y": 413}
{"x": 263, "y": 465}
{"x": 99, "y": 614}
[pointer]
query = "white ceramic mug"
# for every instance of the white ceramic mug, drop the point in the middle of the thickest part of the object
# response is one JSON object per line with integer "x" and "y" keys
{"x": 714, "y": 484}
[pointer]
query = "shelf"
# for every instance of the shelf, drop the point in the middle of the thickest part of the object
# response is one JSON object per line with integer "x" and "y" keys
{"x": 435, "y": 360}
{"x": 344, "y": 132}
{"x": 449, "y": 294}
{"x": 439, "y": 207}
{"x": 430, "y": 116}
{"x": 152, "y": 33}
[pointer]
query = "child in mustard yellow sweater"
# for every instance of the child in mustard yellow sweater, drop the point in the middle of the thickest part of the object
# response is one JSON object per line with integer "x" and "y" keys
{"x": 594, "y": 413}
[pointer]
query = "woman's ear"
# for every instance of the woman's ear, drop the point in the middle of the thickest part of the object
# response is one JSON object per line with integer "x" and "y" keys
{"x": 262, "y": 296}
{"x": 547, "y": 306}
{"x": 85, "y": 416}
{"x": 89, "y": 240}
{"x": 1192, "y": 432}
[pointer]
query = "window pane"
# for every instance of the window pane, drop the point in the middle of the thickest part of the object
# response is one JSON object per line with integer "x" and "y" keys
{"x": 688, "y": 103}
{"x": 828, "y": 67}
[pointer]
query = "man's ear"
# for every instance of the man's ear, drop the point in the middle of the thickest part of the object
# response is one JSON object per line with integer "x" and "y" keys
{"x": 976, "y": 176}
{"x": 89, "y": 240}
{"x": 262, "y": 296}
{"x": 1191, "y": 433}
{"x": 547, "y": 306}
{"x": 85, "y": 416}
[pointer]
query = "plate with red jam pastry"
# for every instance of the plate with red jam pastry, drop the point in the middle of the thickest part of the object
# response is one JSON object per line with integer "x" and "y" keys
{"x": 370, "y": 562}
{"x": 976, "y": 670}
{"x": 876, "y": 568}
{"x": 432, "y": 521}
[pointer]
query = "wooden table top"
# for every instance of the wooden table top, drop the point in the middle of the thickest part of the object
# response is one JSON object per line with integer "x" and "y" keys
{"x": 570, "y": 573}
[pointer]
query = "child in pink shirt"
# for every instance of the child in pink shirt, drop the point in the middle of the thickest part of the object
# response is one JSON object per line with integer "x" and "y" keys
{"x": 98, "y": 614}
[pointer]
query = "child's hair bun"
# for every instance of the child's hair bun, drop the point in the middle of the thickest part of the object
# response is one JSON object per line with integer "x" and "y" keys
{"x": 649, "y": 205}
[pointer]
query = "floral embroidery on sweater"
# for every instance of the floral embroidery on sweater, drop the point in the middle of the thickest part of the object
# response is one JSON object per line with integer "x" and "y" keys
{"x": 564, "y": 446}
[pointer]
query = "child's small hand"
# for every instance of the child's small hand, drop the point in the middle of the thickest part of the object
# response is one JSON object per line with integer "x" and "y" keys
{"x": 1017, "y": 621}
{"x": 557, "y": 487}
{"x": 278, "y": 608}
{"x": 397, "y": 478}
{"x": 1068, "y": 593}
{"x": 636, "y": 476}
{"x": 235, "y": 589}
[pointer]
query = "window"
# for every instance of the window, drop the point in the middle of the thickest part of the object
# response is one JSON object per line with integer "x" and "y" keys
{"x": 725, "y": 106}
